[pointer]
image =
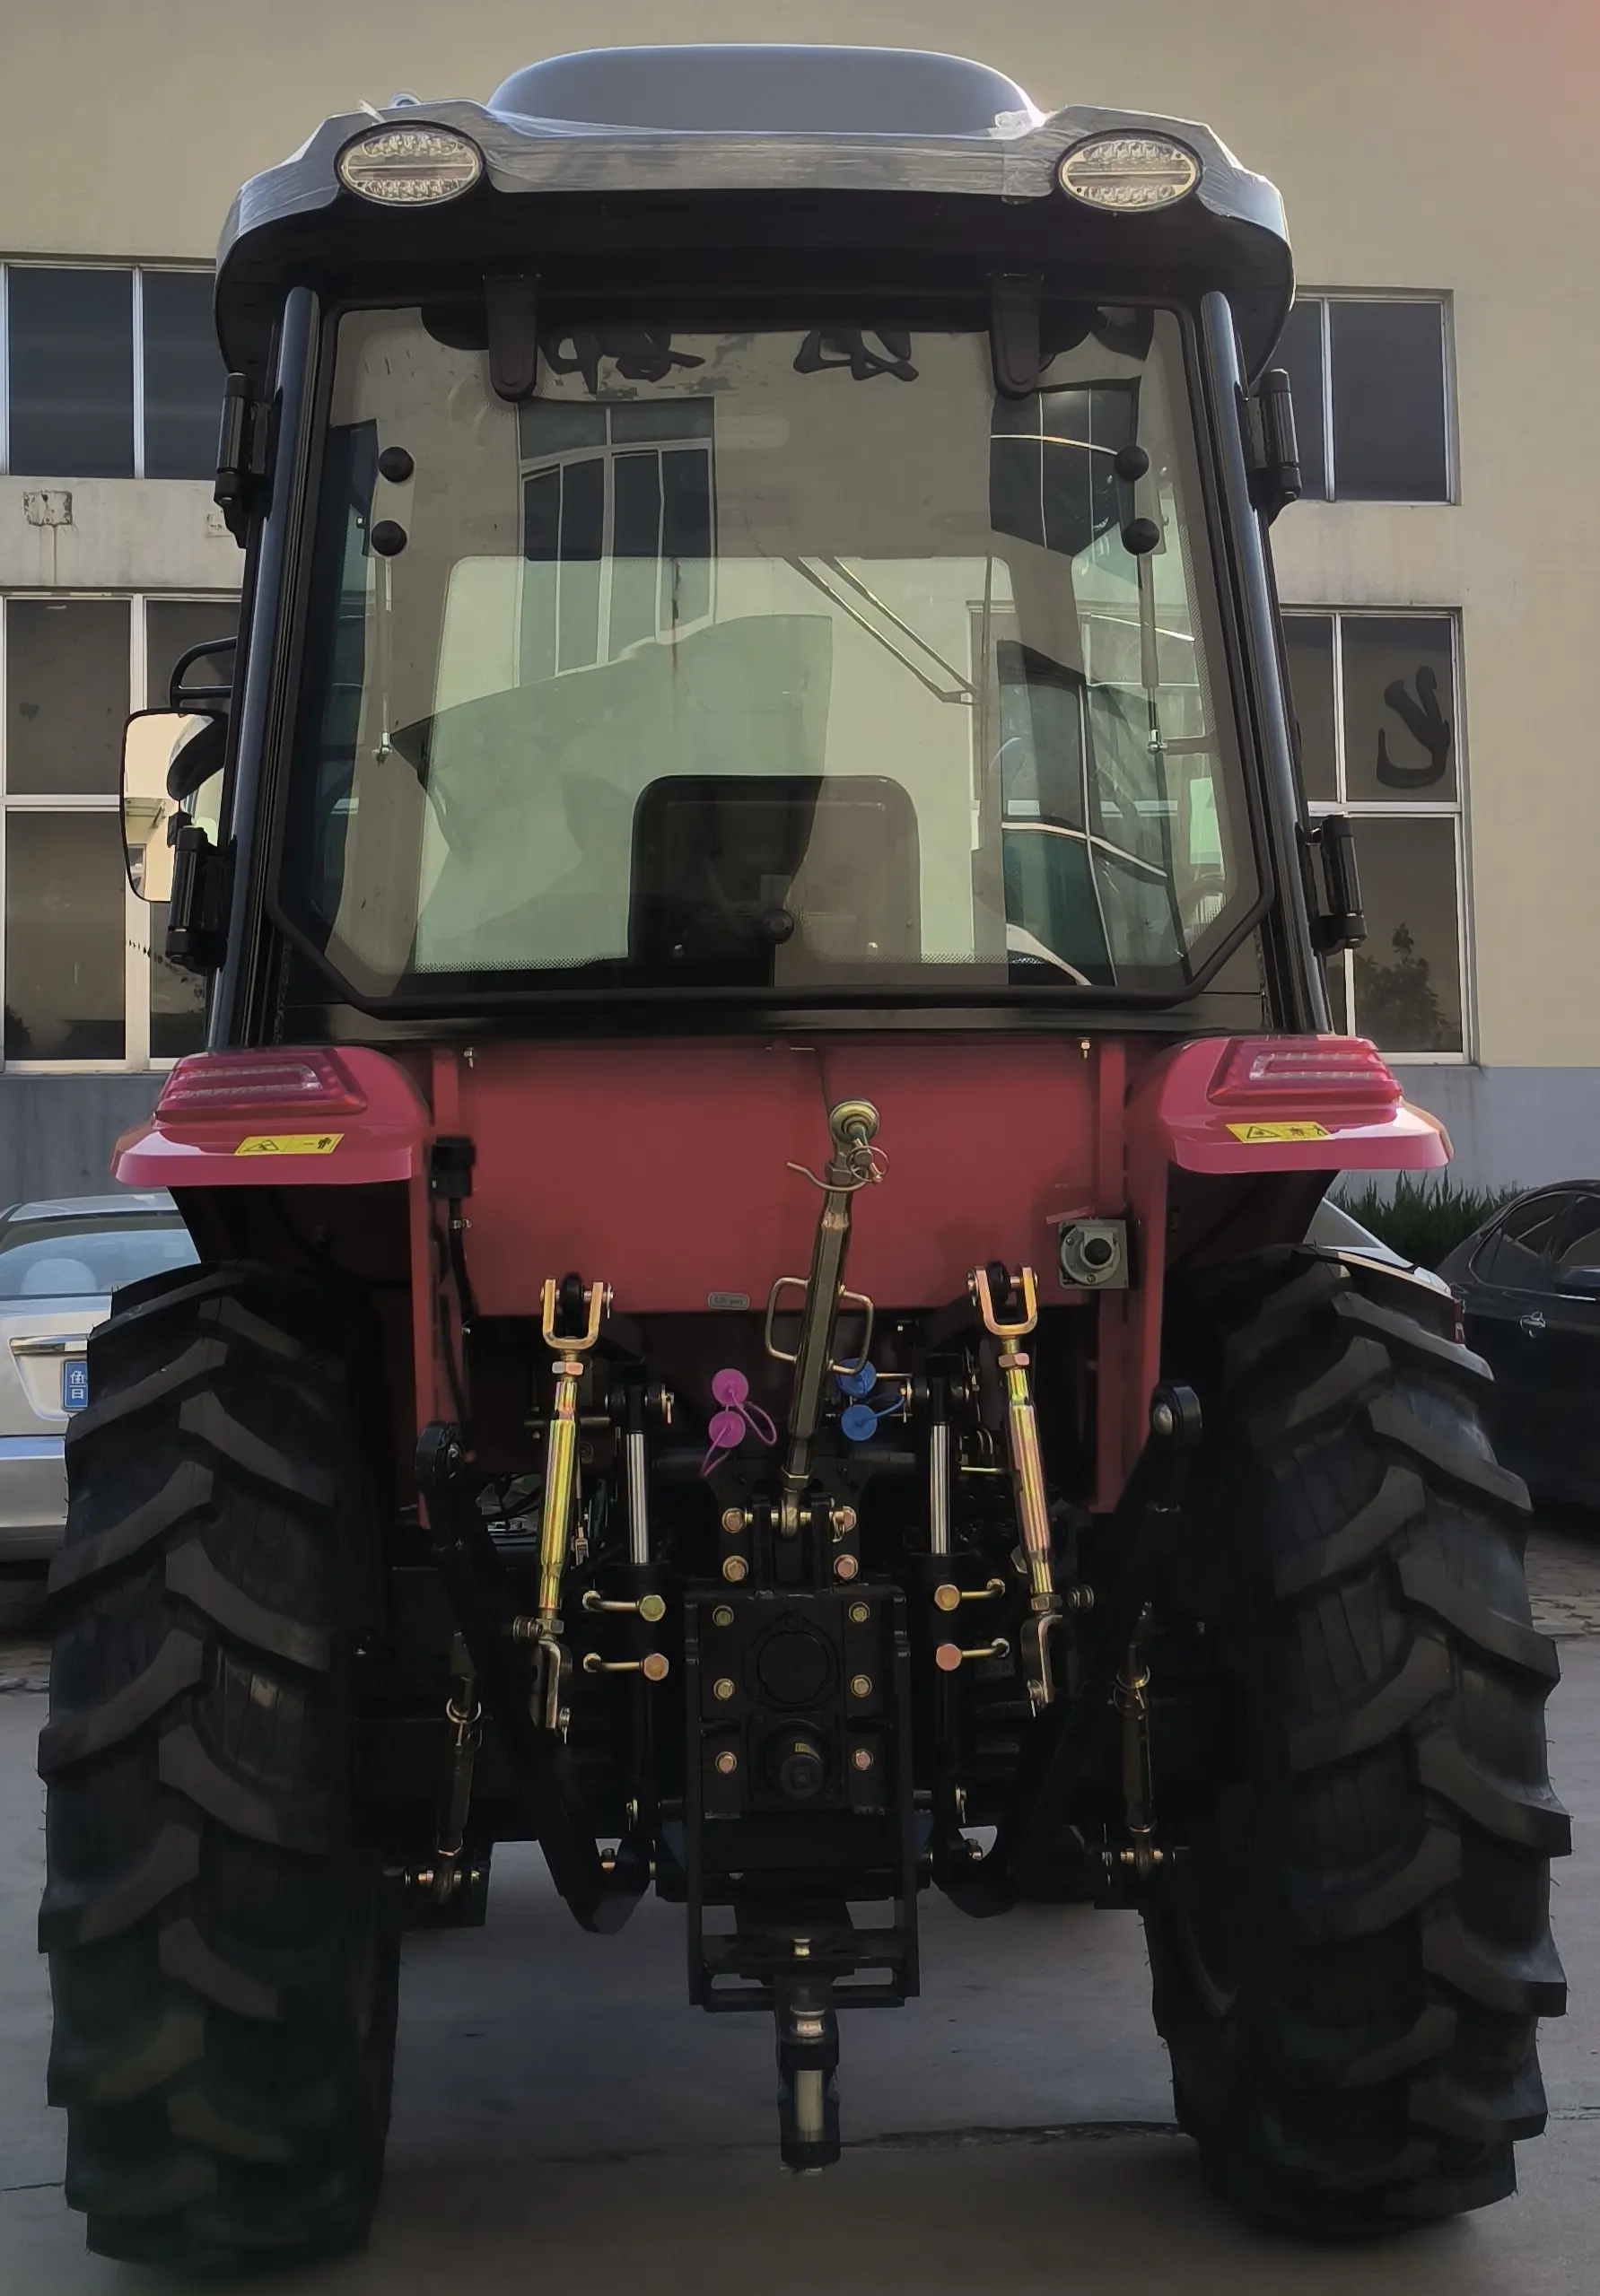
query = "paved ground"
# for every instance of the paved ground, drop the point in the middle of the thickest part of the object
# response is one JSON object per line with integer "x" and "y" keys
{"x": 562, "y": 2116}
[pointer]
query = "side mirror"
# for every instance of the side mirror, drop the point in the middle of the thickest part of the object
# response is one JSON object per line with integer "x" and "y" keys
{"x": 168, "y": 757}
{"x": 1579, "y": 1283}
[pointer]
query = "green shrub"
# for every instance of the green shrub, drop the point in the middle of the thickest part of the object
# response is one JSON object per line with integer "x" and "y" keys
{"x": 1424, "y": 1220}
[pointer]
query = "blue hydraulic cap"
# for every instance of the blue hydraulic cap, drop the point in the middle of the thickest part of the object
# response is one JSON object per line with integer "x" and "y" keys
{"x": 767, "y": 91}
{"x": 859, "y": 1383}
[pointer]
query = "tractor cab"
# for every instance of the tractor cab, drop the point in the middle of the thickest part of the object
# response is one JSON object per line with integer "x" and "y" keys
{"x": 755, "y": 530}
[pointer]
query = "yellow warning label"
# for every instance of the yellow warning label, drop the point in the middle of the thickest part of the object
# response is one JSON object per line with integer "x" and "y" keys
{"x": 1300, "y": 1129}
{"x": 289, "y": 1144}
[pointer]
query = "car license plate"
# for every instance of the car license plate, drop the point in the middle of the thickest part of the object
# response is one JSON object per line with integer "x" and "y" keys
{"x": 74, "y": 1384}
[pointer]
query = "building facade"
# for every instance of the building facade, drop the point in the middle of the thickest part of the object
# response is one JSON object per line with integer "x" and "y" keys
{"x": 1438, "y": 575}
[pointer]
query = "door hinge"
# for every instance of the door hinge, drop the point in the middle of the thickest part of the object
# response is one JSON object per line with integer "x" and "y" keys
{"x": 1341, "y": 922}
{"x": 243, "y": 454}
{"x": 1272, "y": 447}
{"x": 197, "y": 914}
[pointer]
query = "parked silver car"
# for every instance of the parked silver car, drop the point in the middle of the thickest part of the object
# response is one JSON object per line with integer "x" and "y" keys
{"x": 59, "y": 1264}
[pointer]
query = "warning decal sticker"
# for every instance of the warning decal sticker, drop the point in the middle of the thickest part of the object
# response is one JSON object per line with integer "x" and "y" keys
{"x": 1259, "y": 1135}
{"x": 289, "y": 1144}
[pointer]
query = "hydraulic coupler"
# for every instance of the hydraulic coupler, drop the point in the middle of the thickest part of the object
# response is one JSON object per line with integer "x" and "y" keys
{"x": 1027, "y": 1480}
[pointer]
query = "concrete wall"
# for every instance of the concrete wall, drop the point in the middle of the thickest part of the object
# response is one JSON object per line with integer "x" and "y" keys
{"x": 57, "y": 1134}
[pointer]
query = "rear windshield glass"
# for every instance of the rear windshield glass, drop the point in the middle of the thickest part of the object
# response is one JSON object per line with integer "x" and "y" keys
{"x": 788, "y": 657}
{"x": 77, "y": 1259}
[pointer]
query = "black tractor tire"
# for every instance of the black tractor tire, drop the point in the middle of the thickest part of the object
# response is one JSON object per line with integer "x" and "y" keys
{"x": 1350, "y": 1963}
{"x": 223, "y": 1982}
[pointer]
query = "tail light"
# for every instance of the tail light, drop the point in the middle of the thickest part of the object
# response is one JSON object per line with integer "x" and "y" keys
{"x": 1301, "y": 1074}
{"x": 226, "y": 1084}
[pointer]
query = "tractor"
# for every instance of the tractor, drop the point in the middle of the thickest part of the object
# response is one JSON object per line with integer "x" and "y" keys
{"x": 769, "y": 1072}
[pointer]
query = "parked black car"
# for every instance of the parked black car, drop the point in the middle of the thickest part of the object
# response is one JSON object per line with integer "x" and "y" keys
{"x": 1529, "y": 1280}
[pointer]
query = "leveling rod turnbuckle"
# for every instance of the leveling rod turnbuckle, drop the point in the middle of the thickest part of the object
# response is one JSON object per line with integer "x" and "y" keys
{"x": 1027, "y": 1479}
{"x": 561, "y": 1488}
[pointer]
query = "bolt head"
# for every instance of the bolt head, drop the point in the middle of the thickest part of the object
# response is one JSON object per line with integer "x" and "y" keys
{"x": 655, "y": 1666}
{"x": 947, "y": 1658}
{"x": 722, "y": 1616}
{"x": 946, "y": 1598}
{"x": 735, "y": 1568}
{"x": 845, "y": 1521}
{"x": 862, "y": 1758}
{"x": 733, "y": 1520}
{"x": 652, "y": 1609}
{"x": 845, "y": 1567}
{"x": 1163, "y": 1419}
{"x": 861, "y": 1686}
{"x": 724, "y": 1687}
{"x": 727, "y": 1763}
{"x": 859, "y": 1614}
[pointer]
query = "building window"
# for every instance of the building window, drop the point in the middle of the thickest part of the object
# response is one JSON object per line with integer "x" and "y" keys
{"x": 616, "y": 528}
{"x": 110, "y": 373}
{"x": 1370, "y": 397}
{"x": 83, "y": 979}
{"x": 1377, "y": 697}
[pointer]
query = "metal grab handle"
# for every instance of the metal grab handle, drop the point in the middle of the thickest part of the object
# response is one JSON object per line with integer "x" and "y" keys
{"x": 854, "y": 1299}
{"x": 651, "y": 1608}
{"x": 948, "y": 1597}
{"x": 654, "y": 1665}
{"x": 949, "y": 1655}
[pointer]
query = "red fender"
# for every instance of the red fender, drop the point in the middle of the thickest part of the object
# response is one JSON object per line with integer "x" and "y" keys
{"x": 278, "y": 1116}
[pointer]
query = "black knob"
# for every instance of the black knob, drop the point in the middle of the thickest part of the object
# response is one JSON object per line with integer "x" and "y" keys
{"x": 1131, "y": 461}
{"x": 1140, "y": 536}
{"x": 396, "y": 465}
{"x": 797, "y": 1765}
{"x": 775, "y": 925}
{"x": 389, "y": 537}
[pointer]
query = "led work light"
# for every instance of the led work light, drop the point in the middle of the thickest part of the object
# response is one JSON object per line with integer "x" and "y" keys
{"x": 410, "y": 167}
{"x": 1132, "y": 173}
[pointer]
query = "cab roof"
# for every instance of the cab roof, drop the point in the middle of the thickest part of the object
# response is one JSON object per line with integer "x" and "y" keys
{"x": 906, "y": 134}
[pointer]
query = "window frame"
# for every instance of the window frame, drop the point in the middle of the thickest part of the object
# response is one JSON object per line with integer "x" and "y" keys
{"x": 137, "y": 272}
{"x": 1228, "y": 518}
{"x": 608, "y": 453}
{"x": 137, "y": 1058}
{"x": 1360, "y": 810}
{"x": 1444, "y": 302}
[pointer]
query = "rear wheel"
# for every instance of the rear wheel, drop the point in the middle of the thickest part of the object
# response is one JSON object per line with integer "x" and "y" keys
{"x": 1351, "y": 1964}
{"x": 224, "y": 1988}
